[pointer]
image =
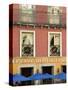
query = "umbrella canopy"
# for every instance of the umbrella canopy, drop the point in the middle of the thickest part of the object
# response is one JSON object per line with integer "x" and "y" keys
{"x": 61, "y": 76}
{"x": 19, "y": 77}
{"x": 47, "y": 76}
{"x": 37, "y": 76}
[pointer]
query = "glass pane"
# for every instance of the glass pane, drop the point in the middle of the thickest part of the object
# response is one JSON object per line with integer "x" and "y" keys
{"x": 27, "y": 44}
{"x": 54, "y": 44}
{"x": 26, "y": 18}
{"x": 26, "y": 13}
{"x": 54, "y": 15}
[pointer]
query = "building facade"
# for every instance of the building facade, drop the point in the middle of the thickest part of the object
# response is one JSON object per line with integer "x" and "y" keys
{"x": 37, "y": 40}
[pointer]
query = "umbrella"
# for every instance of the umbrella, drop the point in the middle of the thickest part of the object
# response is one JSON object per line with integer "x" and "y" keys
{"x": 61, "y": 76}
{"x": 18, "y": 77}
{"x": 36, "y": 76}
{"x": 47, "y": 76}
{"x": 39, "y": 76}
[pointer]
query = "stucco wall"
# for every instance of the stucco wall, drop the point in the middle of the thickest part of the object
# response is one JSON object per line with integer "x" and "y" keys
{"x": 41, "y": 40}
{"x": 40, "y": 14}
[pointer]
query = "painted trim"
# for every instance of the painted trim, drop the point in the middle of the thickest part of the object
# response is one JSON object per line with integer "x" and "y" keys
{"x": 21, "y": 41}
{"x": 49, "y": 42}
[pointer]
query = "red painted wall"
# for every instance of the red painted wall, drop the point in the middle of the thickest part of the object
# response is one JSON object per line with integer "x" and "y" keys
{"x": 63, "y": 16}
{"x": 16, "y": 13}
{"x": 41, "y": 40}
{"x": 40, "y": 12}
{"x": 41, "y": 34}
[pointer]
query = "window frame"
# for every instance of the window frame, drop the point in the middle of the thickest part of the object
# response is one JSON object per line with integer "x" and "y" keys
{"x": 53, "y": 17}
{"x": 49, "y": 42}
{"x": 28, "y": 31}
{"x": 30, "y": 16}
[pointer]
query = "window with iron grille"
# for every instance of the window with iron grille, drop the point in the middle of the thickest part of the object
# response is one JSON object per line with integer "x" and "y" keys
{"x": 27, "y": 43}
{"x": 55, "y": 44}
